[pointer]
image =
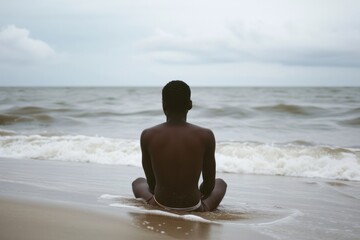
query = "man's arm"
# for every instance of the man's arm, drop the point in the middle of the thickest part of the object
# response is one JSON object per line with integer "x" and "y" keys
{"x": 146, "y": 161}
{"x": 209, "y": 166}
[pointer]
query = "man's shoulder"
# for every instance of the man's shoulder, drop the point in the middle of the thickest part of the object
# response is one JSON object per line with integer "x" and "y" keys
{"x": 151, "y": 130}
{"x": 201, "y": 130}
{"x": 160, "y": 128}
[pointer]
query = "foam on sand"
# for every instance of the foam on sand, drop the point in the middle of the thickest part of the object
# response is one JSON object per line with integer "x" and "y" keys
{"x": 241, "y": 214}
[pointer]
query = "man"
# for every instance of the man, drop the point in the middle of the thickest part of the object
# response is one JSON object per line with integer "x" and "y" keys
{"x": 174, "y": 154}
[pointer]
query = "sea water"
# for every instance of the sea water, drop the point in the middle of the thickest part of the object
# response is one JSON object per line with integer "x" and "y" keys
{"x": 307, "y": 132}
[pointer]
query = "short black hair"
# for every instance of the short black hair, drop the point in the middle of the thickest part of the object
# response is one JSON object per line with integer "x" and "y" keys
{"x": 176, "y": 94}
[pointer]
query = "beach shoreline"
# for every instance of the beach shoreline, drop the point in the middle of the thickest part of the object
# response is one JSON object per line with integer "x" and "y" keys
{"x": 63, "y": 200}
{"x": 255, "y": 207}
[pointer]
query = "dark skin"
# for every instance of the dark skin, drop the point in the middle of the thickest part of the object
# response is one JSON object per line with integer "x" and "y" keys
{"x": 174, "y": 154}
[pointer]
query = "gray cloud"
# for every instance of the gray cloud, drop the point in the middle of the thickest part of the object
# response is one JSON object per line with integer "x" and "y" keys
{"x": 281, "y": 45}
{"x": 16, "y": 46}
{"x": 207, "y": 42}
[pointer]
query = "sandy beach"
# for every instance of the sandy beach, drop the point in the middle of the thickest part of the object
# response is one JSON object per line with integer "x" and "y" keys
{"x": 30, "y": 220}
{"x": 66, "y": 200}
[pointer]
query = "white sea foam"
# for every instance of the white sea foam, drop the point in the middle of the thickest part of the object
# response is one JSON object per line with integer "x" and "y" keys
{"x": 289, "y": 160}
{"x": 111, "y": 197}
{"x": 189, "y": 217}
{"x": 72, "y": 148}
{"x": 125, "y": 202}
{"x": 295, "y": 213}
{"x": 234, "y": 157}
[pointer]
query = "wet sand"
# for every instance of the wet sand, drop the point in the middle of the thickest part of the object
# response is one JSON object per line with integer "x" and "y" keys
{"x": 64, "y": 200}
{"x": 37, "y": 221}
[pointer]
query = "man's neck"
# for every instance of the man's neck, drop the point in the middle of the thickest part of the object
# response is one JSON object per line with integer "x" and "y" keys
{"x": 176, "y": 118}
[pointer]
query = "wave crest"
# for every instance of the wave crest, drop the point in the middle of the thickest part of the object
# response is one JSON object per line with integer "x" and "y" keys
{"x": 289, "y": 160}
{"x": 292, "y": 159}
{"x": 290, "y": 109}
{"x": 10, "y": 119}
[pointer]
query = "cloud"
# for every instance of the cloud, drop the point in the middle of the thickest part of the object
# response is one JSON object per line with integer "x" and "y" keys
{"x": 231, "y": 42}
{"x": 257, "y": 42}
{"x": 16, "y": 46}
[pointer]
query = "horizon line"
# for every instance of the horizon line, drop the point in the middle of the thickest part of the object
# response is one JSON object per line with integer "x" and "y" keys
{"x": 155, "y": 86}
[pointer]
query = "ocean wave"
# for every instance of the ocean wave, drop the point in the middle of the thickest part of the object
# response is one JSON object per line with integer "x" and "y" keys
{"x": 72, "y": 148}
{"x": 291, "y": 159}
{"x": 11, "y": 119}
{"x": 354, "y": 111}
{"x": 29, "y": 110}
{"x": 211, "y": 112}
{"x": 291, "y": 109}
{"x": 103, "y": 114}
{"x": 351, "y": 122}
{"x": 27, "y": 114}
{"x": 4, "y": 132}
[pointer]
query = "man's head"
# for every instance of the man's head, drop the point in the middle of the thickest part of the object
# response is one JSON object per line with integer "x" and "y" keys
{"x": 176, "y": 97}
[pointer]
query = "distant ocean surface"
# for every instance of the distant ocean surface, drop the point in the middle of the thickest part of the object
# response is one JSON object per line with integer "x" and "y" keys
{"x": 306, "y": 132}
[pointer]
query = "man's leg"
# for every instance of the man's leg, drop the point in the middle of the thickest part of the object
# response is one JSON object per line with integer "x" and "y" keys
{"x": 141, "y": 189}
{"x": 215, "y": 197}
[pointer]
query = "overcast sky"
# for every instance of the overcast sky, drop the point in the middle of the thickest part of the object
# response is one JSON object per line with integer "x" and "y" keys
{"x": 204, "y": 42}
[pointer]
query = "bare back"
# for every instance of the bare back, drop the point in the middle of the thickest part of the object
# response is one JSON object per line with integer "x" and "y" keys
{"x": 173, "y": 156}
